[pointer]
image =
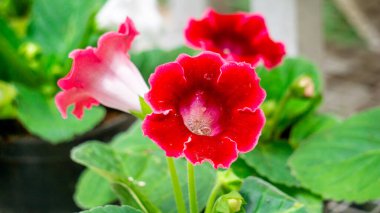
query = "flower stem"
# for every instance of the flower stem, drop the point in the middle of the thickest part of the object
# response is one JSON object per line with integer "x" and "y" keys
{"x": 181, "y": 207}
{"x": 211, "y": 199}
{"x": 192, "y": 189}
{"x": 277, "y": 114}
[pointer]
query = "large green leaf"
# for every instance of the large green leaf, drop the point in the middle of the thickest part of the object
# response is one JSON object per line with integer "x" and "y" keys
{"x": 40, "y": 116}
{"x": 342, "y": 162}
{"x": 60, "y": 26}
{"x": 142, "y": 171}
{"x": 311, "y": 125}
{"x": 270, "y": 161}
{"x": 263, "y": 197}
{"x": 312, "y": 203}
{"x": 113, "y": 209}
{"x": 93, "y": 190}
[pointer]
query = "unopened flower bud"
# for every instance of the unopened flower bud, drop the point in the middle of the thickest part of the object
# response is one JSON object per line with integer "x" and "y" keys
{"x": 234, "y": 204}
{"x": 304, "y": 87}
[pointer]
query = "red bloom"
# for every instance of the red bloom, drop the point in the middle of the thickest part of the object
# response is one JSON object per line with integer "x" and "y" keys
{"x": 103, "y": 75}
{"x": 205, "y": 109}
{"x": 238, "y": 37}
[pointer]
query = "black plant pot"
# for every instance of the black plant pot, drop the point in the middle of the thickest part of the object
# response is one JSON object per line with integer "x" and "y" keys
{"x": 36, "y": 176}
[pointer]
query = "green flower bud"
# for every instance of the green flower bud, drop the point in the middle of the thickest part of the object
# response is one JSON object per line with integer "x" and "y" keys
{"x": 234, "y": 204}
{"x": 304, "y": 87}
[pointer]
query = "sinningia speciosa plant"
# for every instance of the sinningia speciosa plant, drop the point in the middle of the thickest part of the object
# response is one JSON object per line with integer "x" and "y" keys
{"x": 205, "y": 108}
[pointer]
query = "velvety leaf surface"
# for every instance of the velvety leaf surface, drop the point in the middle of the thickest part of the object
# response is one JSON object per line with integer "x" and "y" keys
{"x": 312, "y": 203}
{"x": 40, "y": 116}
{"x": 342, "y": 162}
{"x": 92, "y": 190}
{"x": 113, "y": 209}
{"x": 132, "y": 161}
{"x": 310, "y": 125}
{"x": 261, "y": 196}
{"x": 270, "y": 160}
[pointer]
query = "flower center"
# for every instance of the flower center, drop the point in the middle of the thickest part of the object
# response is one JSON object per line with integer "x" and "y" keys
{"x": 201, "y": 115}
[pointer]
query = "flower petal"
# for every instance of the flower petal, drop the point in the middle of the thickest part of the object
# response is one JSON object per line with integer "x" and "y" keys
{"x": 254, "y": 25}
{"x": 272, "y": 52}
{"x": 195, "y": 71}
{"x": 245, "y": 128}
{"x": 220, "y": 152}
{"x": 239, "y": 86}
{"x": 113, "y": 43}
{"x": 167, "y": 85}
{"x": 74, "y": 96}
{"x": 167, "y": 131}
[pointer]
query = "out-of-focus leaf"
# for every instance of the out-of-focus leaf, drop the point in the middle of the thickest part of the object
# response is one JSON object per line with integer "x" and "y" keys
{"x": 60, "y": 26}
{"x": 7, "y": 96}
{"x": 40, "y": 116}
{"x": 342, "y": 162}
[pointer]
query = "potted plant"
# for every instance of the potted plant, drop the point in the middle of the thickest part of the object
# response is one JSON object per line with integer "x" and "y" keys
{"x": 209, "y": 108}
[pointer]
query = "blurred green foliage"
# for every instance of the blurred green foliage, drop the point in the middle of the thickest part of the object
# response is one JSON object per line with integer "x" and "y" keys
{"x": 35, "y": 38}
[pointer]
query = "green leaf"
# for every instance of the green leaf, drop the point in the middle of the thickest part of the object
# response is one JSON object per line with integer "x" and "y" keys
{"x": 147, "y": 61}
{"x": 311, "y": 125}
{"x": 342, "y": 162}
{"x": 60, "y": 26}
{"x": 133, "y": 162}
{"x": 263, "y": 197}
{"x": 270, "y": 160}
{"x": 113, "y": 209}
{"x": 93, "y": 190}
{"x": 40, "y": 116}
{"x": 312, "y": 203}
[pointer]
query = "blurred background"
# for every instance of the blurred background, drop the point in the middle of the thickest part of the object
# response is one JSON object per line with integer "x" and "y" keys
{"x": 342, "y": 37}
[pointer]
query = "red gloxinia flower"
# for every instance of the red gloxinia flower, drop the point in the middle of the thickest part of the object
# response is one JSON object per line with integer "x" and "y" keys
{"x": 239, "y": 37}
{"x": 104, "y": 74}
{"x": 205, "y": 108}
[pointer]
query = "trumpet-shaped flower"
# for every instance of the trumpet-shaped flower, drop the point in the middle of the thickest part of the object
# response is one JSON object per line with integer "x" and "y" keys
{"x": 103, "y": 75}
{"x": 239, "y": 37}
{"x": 205, "y": 109}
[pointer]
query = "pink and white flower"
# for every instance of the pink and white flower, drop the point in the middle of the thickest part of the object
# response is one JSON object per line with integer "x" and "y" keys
{"x": 103, "y": 75}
